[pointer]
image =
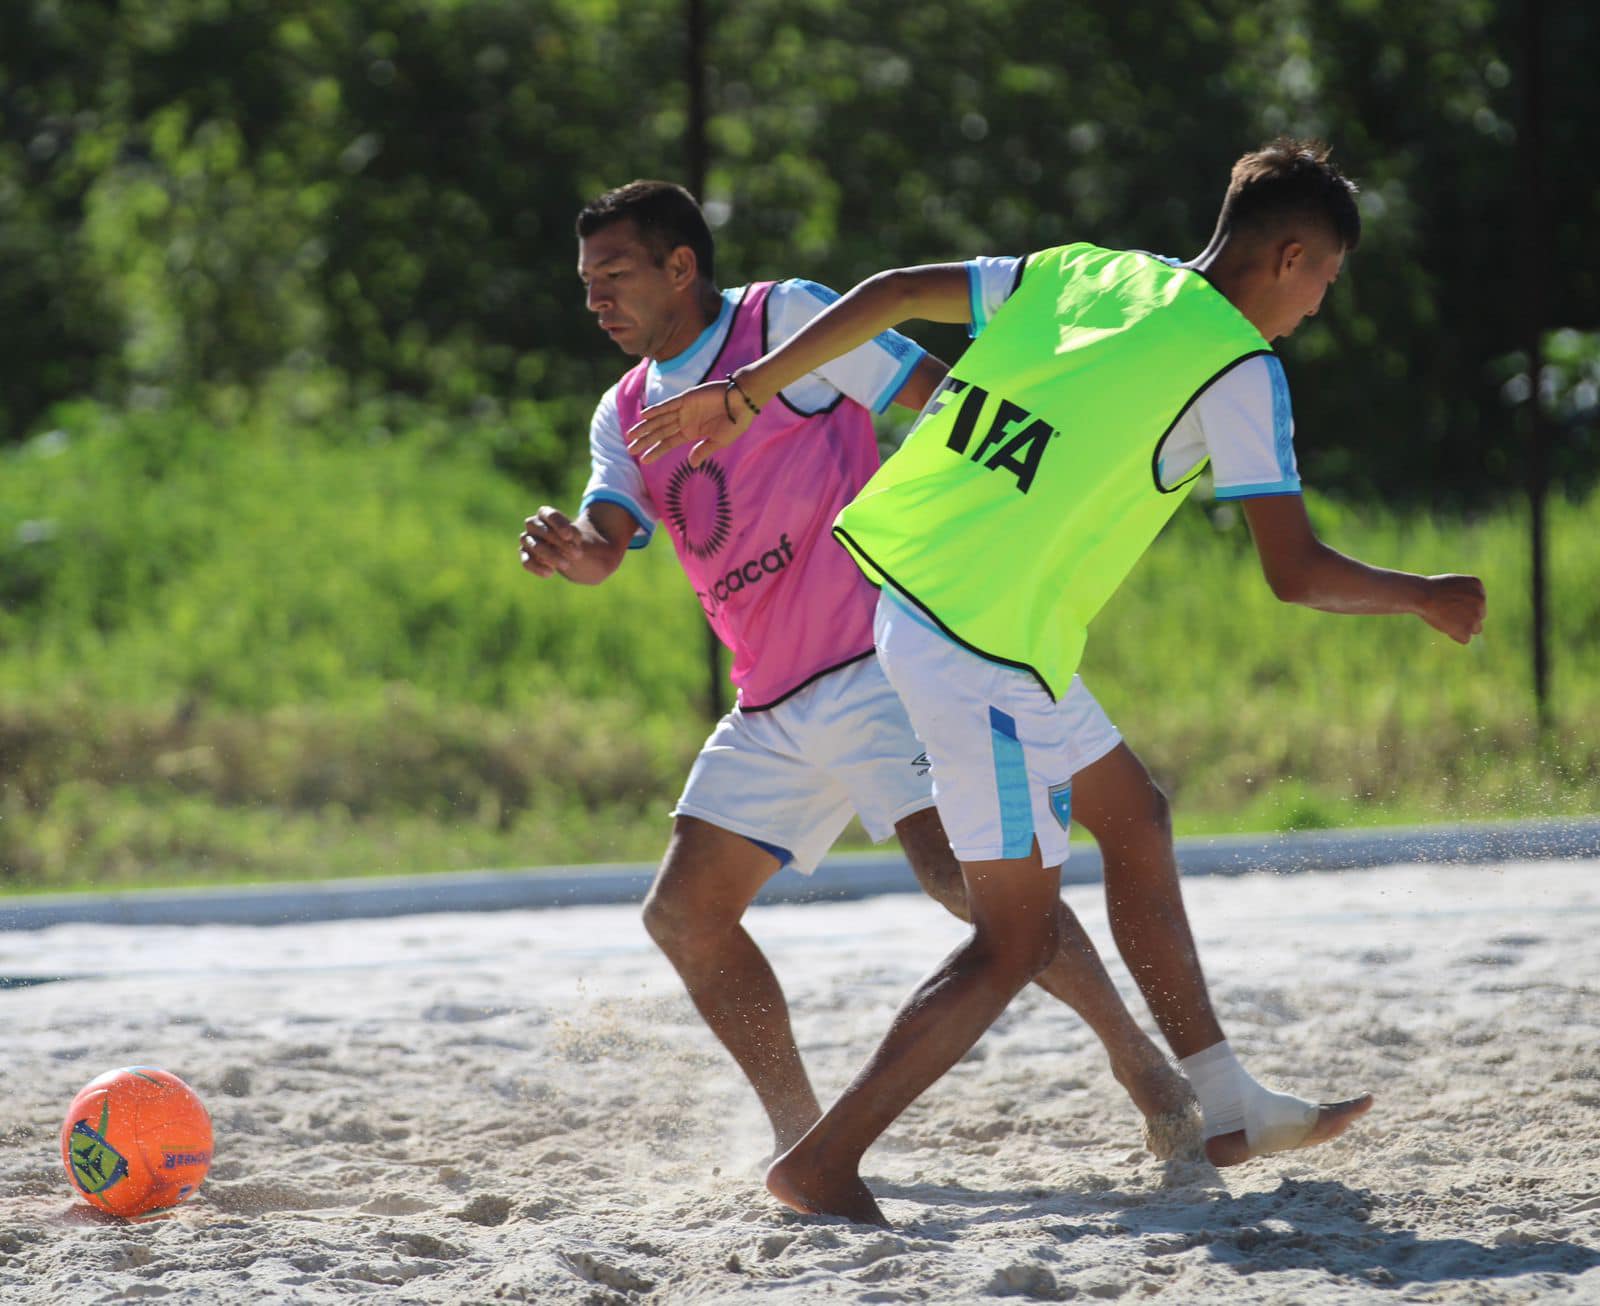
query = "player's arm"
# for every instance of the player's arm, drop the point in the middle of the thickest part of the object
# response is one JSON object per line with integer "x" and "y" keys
{"x": 586, "y": 551}
{"x": 1300, "y": 568}
{"x": 935, "y": 292}
{"x": 712, "y": 415}
{"x": 922, "y": 382}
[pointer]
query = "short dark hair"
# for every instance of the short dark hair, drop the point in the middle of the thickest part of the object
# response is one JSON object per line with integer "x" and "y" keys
{"x": 665, "y": 213}
{"x": 1289, "y": 179}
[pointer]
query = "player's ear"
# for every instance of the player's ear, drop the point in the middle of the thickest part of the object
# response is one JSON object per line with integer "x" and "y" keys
{"x": 682, "y": 266}
{"x": 1290, "y": 255}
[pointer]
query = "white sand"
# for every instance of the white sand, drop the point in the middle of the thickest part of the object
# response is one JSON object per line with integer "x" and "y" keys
{"x": 524, "y": 1107}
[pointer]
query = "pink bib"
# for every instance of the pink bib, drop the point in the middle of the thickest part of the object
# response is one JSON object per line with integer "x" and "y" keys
{"x": 752, "y": 526}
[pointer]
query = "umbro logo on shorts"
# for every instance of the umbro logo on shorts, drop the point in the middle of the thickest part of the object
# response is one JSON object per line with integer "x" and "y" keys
{"x": 921, "y": 764}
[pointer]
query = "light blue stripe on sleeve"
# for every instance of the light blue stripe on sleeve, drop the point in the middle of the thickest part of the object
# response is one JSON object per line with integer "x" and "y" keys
{"x": 907, "y": 366}
{"x": 644, "y": 527}
{"x": 975, "y": 299}
{"x": 1282, "y": 419}
{"x": 824, "y": 295}
{"x": 1011, "y": 784}
{"x": 1260, "y": 490}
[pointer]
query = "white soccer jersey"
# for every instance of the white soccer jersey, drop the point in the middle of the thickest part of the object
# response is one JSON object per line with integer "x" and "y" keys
{"x": 871, "y": 374}
{"x": 1242, "y": 421}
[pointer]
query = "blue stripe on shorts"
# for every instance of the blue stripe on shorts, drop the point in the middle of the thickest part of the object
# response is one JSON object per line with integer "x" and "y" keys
{"x": 1011, "y": 783}
{"x": 783, "y": 855}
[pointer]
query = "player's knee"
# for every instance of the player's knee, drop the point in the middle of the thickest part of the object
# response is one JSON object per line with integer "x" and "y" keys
{"x": 682, "y": 922}
{"x": 1045, "y": 946}
{"x": 940, "y": 878}
{"x": 1016, "y": 958}
{"x": 935, "y": 866}
{"x": 1157, "y": 811}
{"x": 667, "y": 921}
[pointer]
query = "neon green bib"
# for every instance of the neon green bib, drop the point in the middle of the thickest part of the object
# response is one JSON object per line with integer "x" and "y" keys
{"x": 1030, "y": 485}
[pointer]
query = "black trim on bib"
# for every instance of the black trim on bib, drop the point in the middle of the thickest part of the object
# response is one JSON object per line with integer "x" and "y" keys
{"x": 766, "y": 348}
{"x": 815, "y": 412}
{"x": 809, "y": 680}
{"x": 1155, "y": 454}
{"x": 732, "y": 323}
{"x": 844, "y": 537}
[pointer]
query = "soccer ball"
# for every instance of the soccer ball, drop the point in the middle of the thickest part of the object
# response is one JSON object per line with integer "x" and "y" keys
{"x": 136, "y": 1141}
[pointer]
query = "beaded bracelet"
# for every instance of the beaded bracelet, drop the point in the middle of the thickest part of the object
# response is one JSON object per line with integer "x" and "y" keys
{"x": 749, "y": 403}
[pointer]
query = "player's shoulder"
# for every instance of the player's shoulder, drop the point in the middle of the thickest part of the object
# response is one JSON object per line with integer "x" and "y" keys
{"x": 606, "y": 422}
{"x": 792, "y": 303}
{"x": 1258, "y": 375}
{"x": 803, "y": 292}
{"x": 1253, "y": 389}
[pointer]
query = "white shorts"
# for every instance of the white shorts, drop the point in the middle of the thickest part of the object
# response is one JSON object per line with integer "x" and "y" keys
{"x": 790, "y": 777}
{"x": 1003, "y": 751}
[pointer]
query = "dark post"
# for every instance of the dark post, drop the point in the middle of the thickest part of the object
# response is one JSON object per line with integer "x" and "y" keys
{"x": 695, "y": 76}
{"x": 694, "y": 147}
{"x": 1535, "y": 253}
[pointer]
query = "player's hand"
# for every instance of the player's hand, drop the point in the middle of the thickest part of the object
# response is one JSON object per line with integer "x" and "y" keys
{"x": 549, "y": 543}
{"x": 706, "y": 417}
{"x": 1455, "y": 605}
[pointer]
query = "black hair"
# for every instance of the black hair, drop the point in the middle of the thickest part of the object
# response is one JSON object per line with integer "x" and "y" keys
{"x": 1290, "y": 179}
{"x": 665, "y": 214}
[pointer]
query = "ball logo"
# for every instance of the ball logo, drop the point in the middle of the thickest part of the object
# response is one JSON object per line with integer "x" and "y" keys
{"x": 96, "y": 1165}
{"x": 697, "y": 503}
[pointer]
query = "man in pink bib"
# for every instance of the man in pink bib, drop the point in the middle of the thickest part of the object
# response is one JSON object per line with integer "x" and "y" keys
{"x": 818, "y": 734}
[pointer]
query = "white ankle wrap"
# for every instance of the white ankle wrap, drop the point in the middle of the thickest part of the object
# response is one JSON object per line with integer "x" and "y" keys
{"x": 1231, "y": 1099}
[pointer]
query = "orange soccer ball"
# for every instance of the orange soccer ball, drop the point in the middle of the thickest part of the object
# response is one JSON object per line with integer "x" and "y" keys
{"x": 136, "y": 1141}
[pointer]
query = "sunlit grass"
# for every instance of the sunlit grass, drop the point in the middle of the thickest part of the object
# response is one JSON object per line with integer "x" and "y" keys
{"x": 267, "y": 652}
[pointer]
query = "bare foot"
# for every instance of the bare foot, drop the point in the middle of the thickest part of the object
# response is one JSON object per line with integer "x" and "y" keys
{"x": 798, "y": 1182}
{"x": 1333, "y": 1118}
{"x": 1171, "y": 1114}
{"x": 1174, "y": 1135}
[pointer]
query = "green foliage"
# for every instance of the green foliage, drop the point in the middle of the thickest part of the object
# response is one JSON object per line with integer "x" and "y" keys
{"x": 1288, "y": 716}
{"x": 160, "y": 557}
{"x": 291, "y": 340}
{"x": 400, "y": 783}
{"x": 262, "y": 649}
{"x": 376, "y": 196}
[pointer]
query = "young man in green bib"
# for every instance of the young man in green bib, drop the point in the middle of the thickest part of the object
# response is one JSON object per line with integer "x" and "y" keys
{"x": 1099, "y": 385}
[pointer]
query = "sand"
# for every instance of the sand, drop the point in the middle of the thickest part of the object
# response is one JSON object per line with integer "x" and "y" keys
{"x": 522, "y": 1106}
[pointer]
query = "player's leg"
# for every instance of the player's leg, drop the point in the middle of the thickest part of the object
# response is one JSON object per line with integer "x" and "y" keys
{"x": 1001, "y": 774}
{"x": 1118, "y": 801}
{"x": 694, "y": 911}
{"x": 1013, "y": 937}
{"x": 1077, "y": 977}
{"x": 861, "y": 735}
{"x": 751, "y": 805}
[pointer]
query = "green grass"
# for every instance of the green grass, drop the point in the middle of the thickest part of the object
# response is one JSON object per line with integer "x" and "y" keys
{"x": 1262, "y": 715}
{"x": 264, "y": 651}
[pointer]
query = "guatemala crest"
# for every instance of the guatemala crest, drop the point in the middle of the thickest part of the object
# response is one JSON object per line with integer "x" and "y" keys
{"x": 1061, "y": 803}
